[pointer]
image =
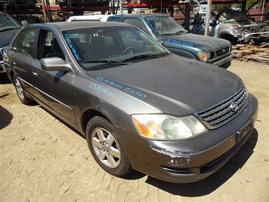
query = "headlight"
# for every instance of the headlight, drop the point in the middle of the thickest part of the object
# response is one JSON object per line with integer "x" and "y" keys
{"x": 203, "y": 56}
{"x": 165, "y": 127}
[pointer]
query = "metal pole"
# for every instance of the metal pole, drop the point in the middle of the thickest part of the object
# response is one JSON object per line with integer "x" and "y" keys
{"x": 121, "y": 11}
{"x": 208, "y": 12}
{"x": 187, "y": 14}
{"x": 244, "y": 4}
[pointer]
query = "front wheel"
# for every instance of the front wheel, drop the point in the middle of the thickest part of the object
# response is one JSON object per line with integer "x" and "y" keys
{"x": 20, "y": 91}
{"x": 230, "y": 38}
{"x": 106, "y": 147}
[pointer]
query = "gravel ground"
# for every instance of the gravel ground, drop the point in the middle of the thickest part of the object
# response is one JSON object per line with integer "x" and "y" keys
{"x": 42, "y": 159}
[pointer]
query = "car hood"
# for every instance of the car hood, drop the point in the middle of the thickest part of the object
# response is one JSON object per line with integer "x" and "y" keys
{"x": 173, "y": 84}
{"x": 193, "y": 41}
{"x": 6, "y": 37}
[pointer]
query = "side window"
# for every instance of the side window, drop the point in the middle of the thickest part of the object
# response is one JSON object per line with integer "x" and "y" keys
{"x": 49, "y": 46}
{"x": 137, "y": 23}
{"x": 24, "y": 43}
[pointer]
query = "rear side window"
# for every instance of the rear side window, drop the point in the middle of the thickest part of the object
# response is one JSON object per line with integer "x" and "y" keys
{"x": 24, "y": 43}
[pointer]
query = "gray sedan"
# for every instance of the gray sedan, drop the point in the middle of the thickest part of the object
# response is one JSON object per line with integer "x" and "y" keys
{"x": 139, "y": 106}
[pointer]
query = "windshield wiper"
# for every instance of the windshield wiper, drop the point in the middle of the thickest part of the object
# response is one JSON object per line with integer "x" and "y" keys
{"x": 145, "y": 56}
{"x": 111, "y": 62}
{"x": 173, "y": 33}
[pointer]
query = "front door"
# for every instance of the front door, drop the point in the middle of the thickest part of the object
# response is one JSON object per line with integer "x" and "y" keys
{"x": 55, "y": 87}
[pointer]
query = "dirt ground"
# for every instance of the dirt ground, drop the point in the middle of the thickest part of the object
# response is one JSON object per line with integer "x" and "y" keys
{"x": 42, "y": 159}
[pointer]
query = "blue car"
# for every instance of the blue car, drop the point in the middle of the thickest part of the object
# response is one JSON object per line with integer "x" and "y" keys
{"x": 8, "y": 28}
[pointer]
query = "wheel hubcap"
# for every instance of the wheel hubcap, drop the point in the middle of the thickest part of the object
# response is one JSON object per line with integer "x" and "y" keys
{"x": 19, "y": 89}
{"x": 106, "y": 147}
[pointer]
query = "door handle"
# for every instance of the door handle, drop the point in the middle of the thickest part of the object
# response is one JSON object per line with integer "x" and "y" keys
{"x": 35, "y": 73}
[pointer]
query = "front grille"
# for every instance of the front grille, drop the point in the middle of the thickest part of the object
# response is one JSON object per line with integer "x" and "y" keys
{"x": 222, "y": 51}
{"x": 225, "y": 111}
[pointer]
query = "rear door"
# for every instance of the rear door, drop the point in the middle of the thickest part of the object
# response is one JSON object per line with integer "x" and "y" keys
{"x": 22, "y": 59}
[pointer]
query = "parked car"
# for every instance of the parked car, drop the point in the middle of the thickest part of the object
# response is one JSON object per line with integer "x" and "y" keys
{"x": 174, "y": 37}
{"x": 235, "y": 26}
{"x": 8, "y": 28}
{"x": 138, "y": 106}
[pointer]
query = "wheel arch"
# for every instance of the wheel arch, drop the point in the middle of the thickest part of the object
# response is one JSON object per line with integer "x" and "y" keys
{"x": 88, "y": 115}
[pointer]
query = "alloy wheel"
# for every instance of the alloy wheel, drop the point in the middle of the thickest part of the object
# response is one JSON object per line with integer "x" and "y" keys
{"x": 106, "y": 147}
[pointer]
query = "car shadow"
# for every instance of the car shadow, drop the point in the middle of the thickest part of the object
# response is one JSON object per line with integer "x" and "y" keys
{"x": 214, "y": 181}
{"x": 5, "y": 117}
{"x": 4, "y": 79}
{"x": 62, "y": 121}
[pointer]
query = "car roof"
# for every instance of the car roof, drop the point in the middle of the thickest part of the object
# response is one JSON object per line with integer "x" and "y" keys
{"x": 88, "y": 17}
{"x": 143, "y": 14}
{"x": 60, "y": 26}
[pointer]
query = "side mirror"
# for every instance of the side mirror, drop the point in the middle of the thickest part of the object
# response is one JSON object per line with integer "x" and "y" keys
{"x": 24, "y": 23}
{"x": 55, "y": 64}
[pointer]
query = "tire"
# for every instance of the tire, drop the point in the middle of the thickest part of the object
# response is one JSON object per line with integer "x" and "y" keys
{"x": 230, "y": 38}
{"x": 106, "y": 147}
{"x": 20, "y": 91}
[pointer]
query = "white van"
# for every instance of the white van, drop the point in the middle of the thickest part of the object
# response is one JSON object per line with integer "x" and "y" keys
{"x": 102, "y": 18}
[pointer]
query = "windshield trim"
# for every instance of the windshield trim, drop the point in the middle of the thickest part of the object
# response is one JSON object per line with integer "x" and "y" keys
{"x": 8, "y": 23}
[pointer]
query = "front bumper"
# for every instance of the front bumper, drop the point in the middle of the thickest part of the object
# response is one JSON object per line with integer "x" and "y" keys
{"x": 170, "y": 170}
{"x": 224, "y": 62}
{"x": 193, "y": 159}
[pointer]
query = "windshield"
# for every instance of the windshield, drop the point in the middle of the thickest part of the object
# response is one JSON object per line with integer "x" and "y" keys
{"x": 7, "y": 22}
{"x": 163, "y": 25}
{"x": 103, "y": 47}
{"x": 233, "y": 16}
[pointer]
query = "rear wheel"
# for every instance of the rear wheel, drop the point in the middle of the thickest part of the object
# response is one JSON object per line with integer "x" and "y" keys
{"x": 106, "y": 147}
{"x": 20, "y": 91}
